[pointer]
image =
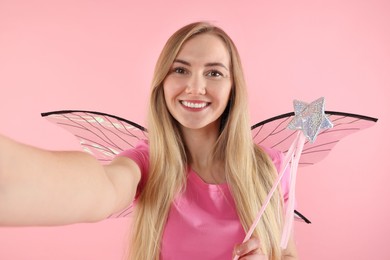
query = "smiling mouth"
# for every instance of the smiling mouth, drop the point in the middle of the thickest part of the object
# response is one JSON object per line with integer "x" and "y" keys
{"x": 194, "y": 104}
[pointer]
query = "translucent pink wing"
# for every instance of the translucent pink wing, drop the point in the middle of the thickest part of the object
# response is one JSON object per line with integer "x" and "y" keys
{"x": 100, "y": 134}
{"x": 273, "y": 133}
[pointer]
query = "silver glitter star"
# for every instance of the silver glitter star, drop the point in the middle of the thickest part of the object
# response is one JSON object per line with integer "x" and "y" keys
{"x": 310, "y": 118}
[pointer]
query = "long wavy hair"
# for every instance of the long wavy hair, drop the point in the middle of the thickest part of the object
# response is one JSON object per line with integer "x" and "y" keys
{"x": 249, "y": 171}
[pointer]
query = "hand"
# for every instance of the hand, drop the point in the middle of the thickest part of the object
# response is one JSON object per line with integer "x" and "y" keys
{"x": 249, "y": 250}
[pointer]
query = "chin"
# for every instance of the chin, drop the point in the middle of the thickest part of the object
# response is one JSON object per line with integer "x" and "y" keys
{"x": 201, "y": 125}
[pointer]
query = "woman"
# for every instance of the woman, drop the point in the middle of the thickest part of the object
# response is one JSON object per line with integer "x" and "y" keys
{"x": 198, "y": 183}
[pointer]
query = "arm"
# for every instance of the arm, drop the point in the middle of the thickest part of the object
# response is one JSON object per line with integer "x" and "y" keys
{"x": 39, "y": 187}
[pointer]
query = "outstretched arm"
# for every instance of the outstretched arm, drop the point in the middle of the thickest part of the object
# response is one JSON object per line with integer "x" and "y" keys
{"x": 40, "y": 187}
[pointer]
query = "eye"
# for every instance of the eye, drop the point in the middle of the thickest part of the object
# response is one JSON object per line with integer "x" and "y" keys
{"x": 214, "y": 74}
{"x": 180, "y": 70}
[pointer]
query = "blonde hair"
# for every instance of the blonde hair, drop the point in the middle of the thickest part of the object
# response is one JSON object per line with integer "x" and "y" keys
{"x": 249, "y": 171}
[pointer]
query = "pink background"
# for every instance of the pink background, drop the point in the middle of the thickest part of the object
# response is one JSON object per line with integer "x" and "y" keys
{"x": 99, "y": 55}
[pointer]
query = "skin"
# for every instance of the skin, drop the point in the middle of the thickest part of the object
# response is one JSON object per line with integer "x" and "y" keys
{"x": 249, "y": 250}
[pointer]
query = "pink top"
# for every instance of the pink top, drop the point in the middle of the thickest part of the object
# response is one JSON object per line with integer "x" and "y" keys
{"x": 202, "y": 222}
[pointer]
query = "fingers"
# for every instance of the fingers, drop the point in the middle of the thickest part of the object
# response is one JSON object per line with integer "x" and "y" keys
{"x": 251, "y": 245}
{"x": 254, "y": 257}
{"x": 250, "y": 250}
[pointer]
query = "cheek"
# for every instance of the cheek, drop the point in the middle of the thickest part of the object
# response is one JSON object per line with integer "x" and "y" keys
{"x": 167, "y": 87}
{"x": 171, "y": 88}
{"x": 224, "y": 95}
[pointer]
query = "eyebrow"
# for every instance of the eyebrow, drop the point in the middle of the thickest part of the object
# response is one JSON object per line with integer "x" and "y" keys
{"x": 210, "y": 64}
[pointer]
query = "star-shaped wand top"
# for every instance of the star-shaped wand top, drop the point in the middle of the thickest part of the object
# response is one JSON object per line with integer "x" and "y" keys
{"x": 310, "y": 118}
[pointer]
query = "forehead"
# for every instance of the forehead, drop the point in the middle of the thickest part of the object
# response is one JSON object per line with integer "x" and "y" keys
{"x": 205, "y": 47}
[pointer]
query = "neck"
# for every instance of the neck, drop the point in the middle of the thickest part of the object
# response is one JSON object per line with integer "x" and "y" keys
{"x": 200, "y": 145}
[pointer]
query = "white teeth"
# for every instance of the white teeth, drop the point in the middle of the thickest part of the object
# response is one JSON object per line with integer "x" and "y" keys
{"x": 194, "y": 105}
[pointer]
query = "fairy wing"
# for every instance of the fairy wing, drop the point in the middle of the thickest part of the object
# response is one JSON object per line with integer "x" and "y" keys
{"x": 273, "y": 133}
{"x": 100, "y": 134}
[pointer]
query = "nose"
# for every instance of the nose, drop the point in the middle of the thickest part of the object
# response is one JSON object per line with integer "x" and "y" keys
{"x": 196, "y": 85}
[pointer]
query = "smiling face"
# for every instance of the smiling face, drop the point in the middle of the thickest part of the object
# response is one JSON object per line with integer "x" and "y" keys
{"x": 198, "y": 85}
